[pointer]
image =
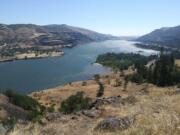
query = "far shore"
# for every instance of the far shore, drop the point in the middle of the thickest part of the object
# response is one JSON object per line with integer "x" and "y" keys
{"x": 32, "y": 55}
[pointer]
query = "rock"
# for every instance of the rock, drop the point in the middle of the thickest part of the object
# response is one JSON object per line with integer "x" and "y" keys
{"x": 3, "y": 130}
{"x": 130, "y": 99}
{"x": 177, "y": 91}
{"x": 113, "y": 124}
{"x": 43, "y": 121}
{"x": 53, "y": 116}
{"x": 92, "y": 113}
{"x": 108, "y": 100}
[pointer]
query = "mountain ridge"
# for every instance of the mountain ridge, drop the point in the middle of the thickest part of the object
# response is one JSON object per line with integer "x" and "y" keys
{"x": 48, "y": 34}
{"x": 168, "y": 36}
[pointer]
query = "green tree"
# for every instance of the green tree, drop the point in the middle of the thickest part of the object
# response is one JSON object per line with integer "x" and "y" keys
{"x": 101, "y": 90}
{"x": 75, "y": 103}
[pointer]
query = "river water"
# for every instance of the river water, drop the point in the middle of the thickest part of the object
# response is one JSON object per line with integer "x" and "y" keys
{"x": 32, "y": 75}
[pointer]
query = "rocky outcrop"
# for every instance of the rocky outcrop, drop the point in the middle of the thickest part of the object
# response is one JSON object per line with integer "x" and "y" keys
{"x": 93, "y": 113}
{"x": 107, "y": 100}
{"x": 112, "y": 124}
{"x": 10, "y": 110}
{"x": 115, "y": 100}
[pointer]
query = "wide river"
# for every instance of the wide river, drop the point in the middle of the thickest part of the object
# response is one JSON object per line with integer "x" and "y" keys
{"x": 33, "y": 75}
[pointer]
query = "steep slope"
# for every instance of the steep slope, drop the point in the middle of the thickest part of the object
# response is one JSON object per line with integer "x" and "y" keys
{"x": 48, "y": 35}
{"x": 169, "y": 36}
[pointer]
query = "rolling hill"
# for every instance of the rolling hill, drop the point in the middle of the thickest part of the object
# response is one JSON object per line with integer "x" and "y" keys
{"x": 168, "y": 36}
{"x": 48, "y": 35}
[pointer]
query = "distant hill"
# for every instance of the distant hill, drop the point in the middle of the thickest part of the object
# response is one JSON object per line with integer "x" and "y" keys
{"x": 168, "y": 36}
{"x": 48, "y": 35}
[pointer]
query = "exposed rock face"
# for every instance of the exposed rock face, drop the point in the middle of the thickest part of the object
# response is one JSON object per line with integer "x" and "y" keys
{"x": 92, "y": 113}
{"x": 8, "y": 109}
{"x": 177, "y": 91}
{"x": 54, "y": 116}
{"x": 108, "y": 100}
{"x": 112, "y": 124}
{"x": 2, "y": 130}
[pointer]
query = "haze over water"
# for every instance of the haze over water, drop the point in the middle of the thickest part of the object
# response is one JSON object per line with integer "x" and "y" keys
{"x": 32, "y": 75}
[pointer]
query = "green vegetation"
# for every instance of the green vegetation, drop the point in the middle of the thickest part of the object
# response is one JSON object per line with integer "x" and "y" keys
{"x": 51, "y": 108}
{"x": 84, "y": 83}
{"x": 175, "y": 51}
{"x": 122, "y": 61}
{"x": 101, "y": 90}
{"x": 163, "y": 72}
{"x": 27, "y": 103}
{"x": 75, "y": 103}
{"x": 96, "y": 77}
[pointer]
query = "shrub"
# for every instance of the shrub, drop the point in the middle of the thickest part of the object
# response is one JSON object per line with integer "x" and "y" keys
{"x": 84, "y": 83}
{"x": 34, "y": 109}
{"x": 51, "y": 109}
{"x": 96, "y": 77}
{"x": 101, "y": 90}
{"x": 34, "y": 115}
{"x": 75, "y": 103}
{"x": 21, "y": 100}
{"x": 178, "y": 85}
{"x": 137, "y": 78}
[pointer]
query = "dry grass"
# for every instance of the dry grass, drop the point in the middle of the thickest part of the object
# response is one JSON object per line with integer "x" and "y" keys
{"x": 157, "y": 114}
{"x": 157, "y": 110}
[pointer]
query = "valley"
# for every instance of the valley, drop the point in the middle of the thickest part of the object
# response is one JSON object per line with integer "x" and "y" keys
{"x": 46, "y": 73}
{"x": 135, "y": 106}
{"x": 89, "y": 67}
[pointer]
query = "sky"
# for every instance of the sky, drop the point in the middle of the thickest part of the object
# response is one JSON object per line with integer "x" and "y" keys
{"x": 116, "y": 17}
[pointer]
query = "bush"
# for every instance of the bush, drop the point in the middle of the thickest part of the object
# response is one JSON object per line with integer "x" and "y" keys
{"x": 84, "y": 83}
{"x": 34, "y": 109}
{"x": 75, "y": 103}
{"x": 34, "y": 115}
{"x": 51, "y": 109}
{"x": 101, "y": 90}
{"x": 23, "y": 101}
{"x": 137, "y": 78}
{"x": 96, "y": 77}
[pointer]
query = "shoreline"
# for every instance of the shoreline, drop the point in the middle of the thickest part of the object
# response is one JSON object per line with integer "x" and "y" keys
{"x": 108, "y": 73}
{"x": 27, "y": 56}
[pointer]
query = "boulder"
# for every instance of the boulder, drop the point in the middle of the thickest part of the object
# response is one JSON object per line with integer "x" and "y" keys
{"x": 3, "y": 130}
{"x": 92, "y": 113}
{"x": 113, "y": 124}
{"x": 107, "y": 100}
{"x": 53, "y": 116}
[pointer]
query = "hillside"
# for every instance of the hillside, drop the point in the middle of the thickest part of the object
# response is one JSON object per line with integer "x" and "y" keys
{"x": 29, "y": 41}
{"x": 124, "y": 107}
{"x": 168, "y": 36}
{"x": 141, "y": 109}
{"x": 48, "y": 35}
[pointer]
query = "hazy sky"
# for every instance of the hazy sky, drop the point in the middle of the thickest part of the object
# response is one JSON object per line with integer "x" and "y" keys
{"x": 117, "y": 17}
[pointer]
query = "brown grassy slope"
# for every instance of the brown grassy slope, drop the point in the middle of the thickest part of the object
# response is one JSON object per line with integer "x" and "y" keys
{"x": 157, "y": 109}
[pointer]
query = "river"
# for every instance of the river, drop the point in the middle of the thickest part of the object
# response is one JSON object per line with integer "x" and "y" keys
{"x": 32, "y": 75}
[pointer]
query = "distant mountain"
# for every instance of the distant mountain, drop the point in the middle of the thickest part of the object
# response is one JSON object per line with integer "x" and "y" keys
{"x": 169, "y": 36}
{"x": 48, "y": 35}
